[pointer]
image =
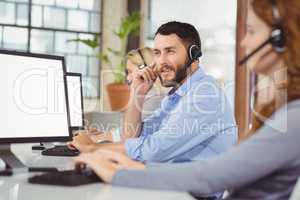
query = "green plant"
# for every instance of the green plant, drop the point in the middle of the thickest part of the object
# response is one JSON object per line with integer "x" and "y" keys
{"x": 129, "y": 25}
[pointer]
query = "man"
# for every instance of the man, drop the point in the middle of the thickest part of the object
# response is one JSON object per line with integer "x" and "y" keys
{"x": 194, "y": 121}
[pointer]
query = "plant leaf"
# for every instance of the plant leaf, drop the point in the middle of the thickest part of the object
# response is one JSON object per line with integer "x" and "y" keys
{"x": 88, "y": 42}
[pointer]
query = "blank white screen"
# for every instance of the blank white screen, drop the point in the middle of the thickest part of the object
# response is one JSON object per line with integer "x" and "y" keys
{"x": 75, "y": 104}
{"x": 33, "y": 100}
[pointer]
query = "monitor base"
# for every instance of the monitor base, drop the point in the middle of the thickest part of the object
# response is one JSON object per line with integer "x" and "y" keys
{"x": 9, "y": 158}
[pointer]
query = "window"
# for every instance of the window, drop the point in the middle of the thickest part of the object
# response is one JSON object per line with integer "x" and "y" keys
{"x": 215, "y": 21}
{"x": 45, "y": 26}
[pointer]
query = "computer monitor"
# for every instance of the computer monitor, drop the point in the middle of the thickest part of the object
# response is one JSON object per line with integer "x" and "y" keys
{"x": 33, "y": 101}
{"x": 75, "y": 96}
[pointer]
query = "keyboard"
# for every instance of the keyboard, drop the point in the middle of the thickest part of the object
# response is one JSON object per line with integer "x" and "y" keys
{"x": 60, "y": 151}
{"x": 66, "y": 178}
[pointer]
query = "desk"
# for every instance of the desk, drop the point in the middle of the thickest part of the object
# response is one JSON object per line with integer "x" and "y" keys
{"x": 16, "y": 187}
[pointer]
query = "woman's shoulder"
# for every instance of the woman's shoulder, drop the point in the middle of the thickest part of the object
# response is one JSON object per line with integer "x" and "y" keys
{"x": 286, "y": 118}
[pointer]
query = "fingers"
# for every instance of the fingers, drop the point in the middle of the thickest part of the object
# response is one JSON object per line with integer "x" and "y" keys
{"x": 79, "y": 132}
{"x": 81, "y": 143}
{"x": 82, "y": 160}
{"x": 71, "y": 146}
{"x": 151, "y": 73}
{"x": 153, "y": 65}
{"x": 79, "y": 163}
{"x": 75, "y": 146}
{"x": 147, "y": 74}
{"x": 82, "y": 147}
{"x": 119, "y": 160}
{"x": 83, "y": 137}
{"x": 103, "y": 167}
{"x": 116, "y": 157}
{"x": 93, "y": 130}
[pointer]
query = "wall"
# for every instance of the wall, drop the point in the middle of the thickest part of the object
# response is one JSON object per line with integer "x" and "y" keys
{"x": 113, "y": 11}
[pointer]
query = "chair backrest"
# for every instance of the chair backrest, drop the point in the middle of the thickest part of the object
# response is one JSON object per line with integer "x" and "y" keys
{"x": 296, "y": 193}
{"x": 103, "y": 121}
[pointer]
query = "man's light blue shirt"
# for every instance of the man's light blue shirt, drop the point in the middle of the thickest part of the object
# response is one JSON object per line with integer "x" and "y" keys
{"x": 193, "y": 123}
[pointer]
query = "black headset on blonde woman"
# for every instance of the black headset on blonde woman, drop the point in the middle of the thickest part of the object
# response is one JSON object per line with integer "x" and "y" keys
{"x": 276, "y": 39}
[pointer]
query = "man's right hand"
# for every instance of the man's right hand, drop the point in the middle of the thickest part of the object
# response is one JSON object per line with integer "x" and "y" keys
{"x": 143, "y": 80}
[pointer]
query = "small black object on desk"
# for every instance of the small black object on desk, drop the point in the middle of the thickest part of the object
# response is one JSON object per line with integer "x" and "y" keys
{"x": 9, "y": 172}
{"x": 6, "y": 172}
{"x": 38, "y": 147}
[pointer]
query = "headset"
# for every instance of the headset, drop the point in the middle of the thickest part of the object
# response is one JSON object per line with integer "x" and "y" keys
{"x": 277, "y": 39}
{"x": 142, "y": 58}
{"x": 194, "y": 53}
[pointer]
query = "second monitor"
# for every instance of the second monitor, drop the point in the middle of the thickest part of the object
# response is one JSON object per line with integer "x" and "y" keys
{"x": 75, "y": 95}
{"x": 75, "y": 103}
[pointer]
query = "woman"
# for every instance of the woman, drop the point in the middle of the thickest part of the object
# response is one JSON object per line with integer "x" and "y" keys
{"x": 267, "y": 165}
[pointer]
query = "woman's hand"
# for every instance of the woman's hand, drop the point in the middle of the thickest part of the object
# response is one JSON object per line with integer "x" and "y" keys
{"x": 106, "y": 163}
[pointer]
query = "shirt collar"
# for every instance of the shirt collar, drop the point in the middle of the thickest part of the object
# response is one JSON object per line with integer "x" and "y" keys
{"x": 184, "y": 88}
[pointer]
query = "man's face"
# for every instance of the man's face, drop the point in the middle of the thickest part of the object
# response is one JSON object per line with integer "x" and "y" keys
{"x": 170, "y": 56}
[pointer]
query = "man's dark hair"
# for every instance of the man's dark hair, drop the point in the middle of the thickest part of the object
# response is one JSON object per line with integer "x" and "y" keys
{"x": 186, "y": 32}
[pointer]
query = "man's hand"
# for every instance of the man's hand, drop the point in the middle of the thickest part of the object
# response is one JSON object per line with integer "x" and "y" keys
{"x": 82, "y": 142}
{"x": 106, "y": 163}
{"x": 143, "y": 80}
{"x": 101, "y": 136}
{"x": 85, "y": 140}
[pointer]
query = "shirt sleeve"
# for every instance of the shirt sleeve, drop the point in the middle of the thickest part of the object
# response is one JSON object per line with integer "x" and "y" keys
{"x": 186, "y": 129}
{"x": 275, "y": 149}
{"x": 151, "y": 124}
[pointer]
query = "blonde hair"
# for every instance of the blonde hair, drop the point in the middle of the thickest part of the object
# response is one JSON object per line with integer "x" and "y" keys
{"x": 141, "y": 56}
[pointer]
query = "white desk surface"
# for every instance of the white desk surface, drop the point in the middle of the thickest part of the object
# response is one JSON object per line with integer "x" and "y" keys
{"x": 16, "y": 187}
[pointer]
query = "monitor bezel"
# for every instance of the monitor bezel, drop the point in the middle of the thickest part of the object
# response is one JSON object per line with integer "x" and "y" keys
{"x": 41, "y": 139}
{"x": 75, "y": 128}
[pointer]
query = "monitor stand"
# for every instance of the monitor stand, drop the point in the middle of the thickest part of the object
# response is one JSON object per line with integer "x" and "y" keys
{"x": 9, "y": 158}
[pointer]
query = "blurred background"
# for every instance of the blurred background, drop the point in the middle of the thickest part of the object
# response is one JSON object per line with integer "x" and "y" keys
{"x": 86, "y": 32}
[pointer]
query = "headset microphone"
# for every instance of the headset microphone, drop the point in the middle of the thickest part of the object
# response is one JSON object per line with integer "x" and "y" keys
{"x": 244, "y": 60}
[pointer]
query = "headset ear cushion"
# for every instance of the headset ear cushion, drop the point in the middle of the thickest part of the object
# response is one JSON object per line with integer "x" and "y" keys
{"x": 194, "y": 52}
